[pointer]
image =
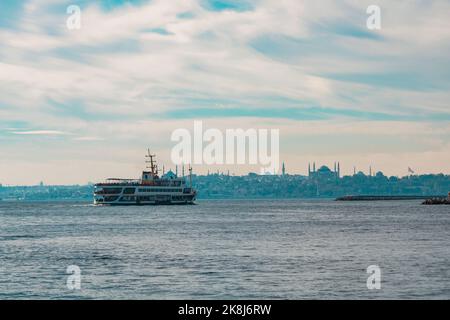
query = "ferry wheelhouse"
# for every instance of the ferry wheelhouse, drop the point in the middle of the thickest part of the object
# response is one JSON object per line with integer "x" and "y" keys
{"x": 149, "y": 190}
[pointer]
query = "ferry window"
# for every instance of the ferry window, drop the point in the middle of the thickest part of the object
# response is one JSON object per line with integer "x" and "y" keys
{"x": 129, "y": 191}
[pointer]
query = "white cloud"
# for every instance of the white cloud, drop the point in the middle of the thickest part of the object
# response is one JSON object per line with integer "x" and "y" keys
{"x": 88, "y": 139}
{"x": 107, "y": 81}
{"x": 40, "y": 133}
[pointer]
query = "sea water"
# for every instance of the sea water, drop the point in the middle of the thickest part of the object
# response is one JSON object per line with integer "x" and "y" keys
{"x": 261, "y": 249}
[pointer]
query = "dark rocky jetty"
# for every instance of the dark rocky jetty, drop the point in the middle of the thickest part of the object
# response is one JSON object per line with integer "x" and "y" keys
{"x": 383, "y": 198}
{"x": 437, "y": 201}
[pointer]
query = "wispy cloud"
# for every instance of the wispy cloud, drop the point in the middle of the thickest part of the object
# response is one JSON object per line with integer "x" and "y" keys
{"x": 88, "y": 139}
{"x": 40, "y": 133}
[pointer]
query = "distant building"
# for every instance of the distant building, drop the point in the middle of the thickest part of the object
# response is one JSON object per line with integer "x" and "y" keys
{"x": 360, "y": 174}
{"x": 169, "y": 175}
{"x": 324, "y": 173}
{"x": 379, "y": 174}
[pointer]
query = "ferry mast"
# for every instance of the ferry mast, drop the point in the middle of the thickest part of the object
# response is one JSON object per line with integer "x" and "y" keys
{"x": 153, "y": 167}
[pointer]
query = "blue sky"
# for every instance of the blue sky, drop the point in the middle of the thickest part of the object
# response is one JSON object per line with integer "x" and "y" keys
{"x": 97, "y": 97}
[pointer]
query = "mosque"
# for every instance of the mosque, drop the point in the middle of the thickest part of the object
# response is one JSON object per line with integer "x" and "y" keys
{"x": 324, "y": 173}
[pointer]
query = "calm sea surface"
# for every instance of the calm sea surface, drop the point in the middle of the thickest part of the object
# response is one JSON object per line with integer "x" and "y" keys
{"x": 225, "y": 250}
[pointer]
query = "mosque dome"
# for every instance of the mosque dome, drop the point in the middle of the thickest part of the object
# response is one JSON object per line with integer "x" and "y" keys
{"x": 324, "y": 169}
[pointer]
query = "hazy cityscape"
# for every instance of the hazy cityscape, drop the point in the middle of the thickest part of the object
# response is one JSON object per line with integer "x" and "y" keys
{"x": 319, "y": 183}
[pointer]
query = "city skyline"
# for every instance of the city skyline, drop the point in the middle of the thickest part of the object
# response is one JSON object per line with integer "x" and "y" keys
{"x": 310, "y": 172}
{"x": 322, "y": 183}
{"x": 84, "y": 105}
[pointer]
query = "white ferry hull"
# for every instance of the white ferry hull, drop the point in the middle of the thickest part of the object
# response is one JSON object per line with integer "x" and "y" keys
{"x": 154, "y": 203}
{"x": 149, "y": 190}
{"x": 114, "y": 195}
{"x": 143, "y": 203}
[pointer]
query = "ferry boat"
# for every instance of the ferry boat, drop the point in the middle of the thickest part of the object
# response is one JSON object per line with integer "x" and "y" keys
{"x": 150, "y": 189}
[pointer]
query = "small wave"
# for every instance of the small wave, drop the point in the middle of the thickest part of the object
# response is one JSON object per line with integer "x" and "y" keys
{"x": 83, "y": 205}
{"x": 17, "y": 237}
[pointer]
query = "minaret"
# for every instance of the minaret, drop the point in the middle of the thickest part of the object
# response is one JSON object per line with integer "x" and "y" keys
{"x": 339, "y": 169}
{"x": 354, "y": 170}
{"x": 335, "y": 170}
{"x": 309, "y": 169}
{"x": 370, "y": 171}
{"x": 283, "y": 170}
{"x": 314, "y": 167}
{"x": 176, "y": 170}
